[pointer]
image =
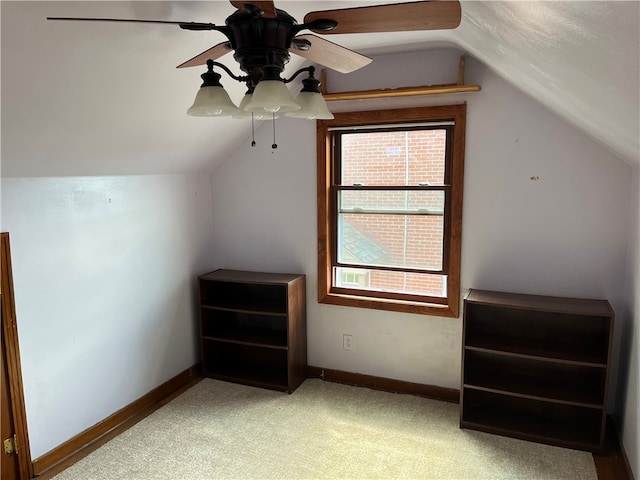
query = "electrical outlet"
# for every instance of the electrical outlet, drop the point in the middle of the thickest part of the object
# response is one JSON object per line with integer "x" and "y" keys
{"x": 347, "y": 342}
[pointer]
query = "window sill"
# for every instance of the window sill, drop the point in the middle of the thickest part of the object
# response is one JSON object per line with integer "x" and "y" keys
{"x": 404, "y": 306}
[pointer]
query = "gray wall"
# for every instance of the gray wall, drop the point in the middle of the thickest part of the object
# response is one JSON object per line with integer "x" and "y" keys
{"x": 629, "y": 388}
{"x": 104, "y": 272}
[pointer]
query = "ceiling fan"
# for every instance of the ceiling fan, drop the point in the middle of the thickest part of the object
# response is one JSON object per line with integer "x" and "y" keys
{"x": 263, "y": 36}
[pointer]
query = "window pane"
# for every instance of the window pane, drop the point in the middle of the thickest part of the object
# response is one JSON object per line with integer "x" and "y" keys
{"x": 395, "y": 282}
{"x": 391, "y": 229}
{"x": 410, "y": 157}
{"x": 411, "y": 241}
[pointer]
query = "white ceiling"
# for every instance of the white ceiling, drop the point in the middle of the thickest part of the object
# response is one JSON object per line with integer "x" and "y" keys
{"x": 106, "y": 99}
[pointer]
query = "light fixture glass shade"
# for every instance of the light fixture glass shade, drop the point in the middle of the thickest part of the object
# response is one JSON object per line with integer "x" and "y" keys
{"x": 272, "y": 96}
{"x": 243, "y": 113}
{"x": 212, "y": 101}
{"x": 312, "y": 107}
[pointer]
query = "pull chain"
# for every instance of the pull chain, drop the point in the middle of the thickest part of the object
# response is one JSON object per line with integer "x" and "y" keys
{"x": 253, "y": 132}
{"x": 273, "y": 121}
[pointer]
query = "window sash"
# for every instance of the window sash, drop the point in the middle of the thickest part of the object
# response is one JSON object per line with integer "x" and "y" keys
{"x": 336, "y": 211}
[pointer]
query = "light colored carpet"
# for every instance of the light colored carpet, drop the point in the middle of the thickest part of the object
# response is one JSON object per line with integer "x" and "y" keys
{"x": 324, "y": 430}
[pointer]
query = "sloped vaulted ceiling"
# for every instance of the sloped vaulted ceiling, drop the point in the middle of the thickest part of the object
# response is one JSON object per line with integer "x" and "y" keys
{"x": 579, "y": 58}
{"x": 102, "y": 99}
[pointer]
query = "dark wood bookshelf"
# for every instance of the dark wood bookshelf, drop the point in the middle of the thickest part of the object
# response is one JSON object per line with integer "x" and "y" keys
{"x": 253, "y": 328}
{"x": 536, "y": 367}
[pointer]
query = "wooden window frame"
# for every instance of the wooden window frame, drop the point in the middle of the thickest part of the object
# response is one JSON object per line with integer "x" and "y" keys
{"x": 446, "y": 307}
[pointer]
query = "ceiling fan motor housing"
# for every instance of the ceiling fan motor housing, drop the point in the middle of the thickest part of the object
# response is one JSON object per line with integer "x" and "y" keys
{"x": 260, "y": 41}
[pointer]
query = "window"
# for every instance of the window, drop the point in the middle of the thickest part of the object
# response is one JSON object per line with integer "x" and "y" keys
{"x": 390, "y": 209}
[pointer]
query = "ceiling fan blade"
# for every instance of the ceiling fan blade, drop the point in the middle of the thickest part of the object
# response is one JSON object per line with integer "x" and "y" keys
{"x": 185, "y": 25}
{"x": 397, "y": 17}
{"x": 330, "y": 54}
{"x": 268, "y": 8}
{"x": 213, "y": 53}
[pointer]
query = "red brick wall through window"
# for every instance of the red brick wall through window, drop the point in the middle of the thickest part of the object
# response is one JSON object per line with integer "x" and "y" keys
{"x": 402, "y": 158}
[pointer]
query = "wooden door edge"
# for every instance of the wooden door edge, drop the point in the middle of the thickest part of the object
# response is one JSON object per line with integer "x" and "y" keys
{"x": 14, "y": 368}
